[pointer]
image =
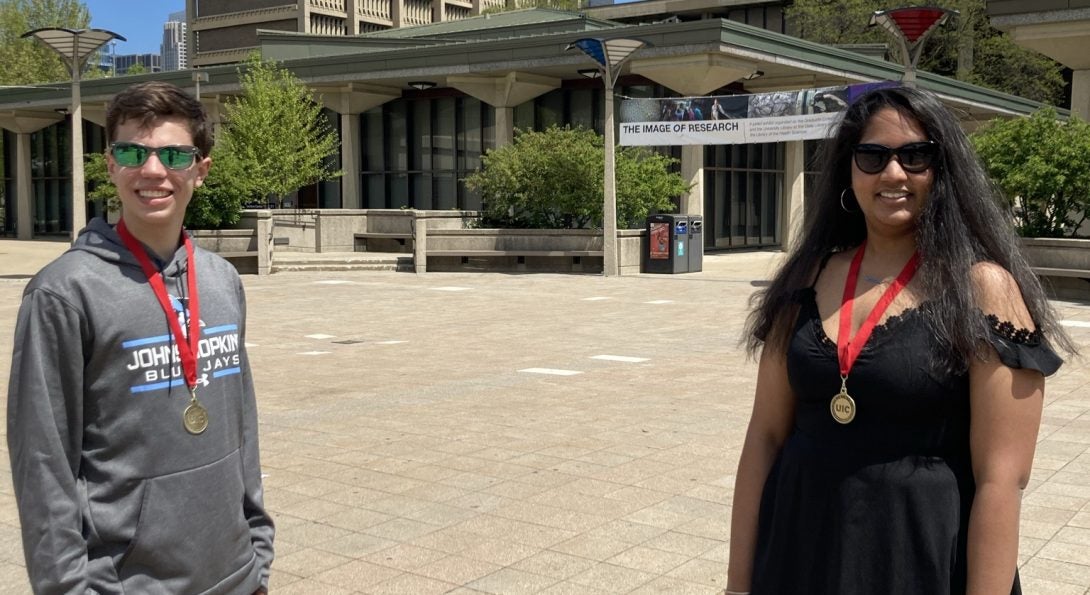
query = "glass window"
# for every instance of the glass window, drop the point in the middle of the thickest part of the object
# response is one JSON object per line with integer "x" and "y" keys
{"x": 420, "y": 163}
{"x": 743, "y": 192}
{"x": 8, "y": 142}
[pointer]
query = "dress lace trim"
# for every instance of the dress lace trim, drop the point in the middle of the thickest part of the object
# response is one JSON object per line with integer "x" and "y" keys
{"x": 880, "y": 331}
{"x": 1007, "y": 330}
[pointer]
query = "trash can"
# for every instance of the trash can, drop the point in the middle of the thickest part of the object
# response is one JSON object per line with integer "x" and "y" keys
{"x": 667, "y": 244}
{"x": 696, "y": 243}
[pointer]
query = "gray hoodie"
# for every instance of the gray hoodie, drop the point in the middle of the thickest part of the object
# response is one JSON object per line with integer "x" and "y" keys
{"x": 114, "y": 495}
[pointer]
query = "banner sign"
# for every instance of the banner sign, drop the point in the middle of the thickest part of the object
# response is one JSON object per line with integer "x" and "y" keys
{"x": 736, "y": 119}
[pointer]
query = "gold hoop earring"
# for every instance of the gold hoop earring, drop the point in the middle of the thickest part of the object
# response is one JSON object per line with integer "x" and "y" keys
{"x": 846, "y": 210}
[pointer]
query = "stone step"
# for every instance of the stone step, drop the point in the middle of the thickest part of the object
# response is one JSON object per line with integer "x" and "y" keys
{"x": 319, "y": 266}
{"x": 341, "y": 261}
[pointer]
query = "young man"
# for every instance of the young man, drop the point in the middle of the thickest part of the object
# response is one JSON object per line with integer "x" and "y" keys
{"x": 132, "y": 424}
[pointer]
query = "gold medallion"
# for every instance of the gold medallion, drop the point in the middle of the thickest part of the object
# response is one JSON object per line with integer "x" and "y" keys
{"x": 842, "y": 407}
{"x": 195, "y": 417}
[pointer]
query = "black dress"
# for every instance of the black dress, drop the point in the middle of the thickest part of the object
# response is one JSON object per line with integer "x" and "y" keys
{"x": 880, "y": 505}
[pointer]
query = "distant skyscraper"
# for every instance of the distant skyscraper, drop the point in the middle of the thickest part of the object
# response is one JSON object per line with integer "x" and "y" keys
{"x": 149, "y": 62}
{"x": 174, "y": 44}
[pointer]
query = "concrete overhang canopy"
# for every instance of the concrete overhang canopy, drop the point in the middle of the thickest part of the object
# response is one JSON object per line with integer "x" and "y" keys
{"x": 1063, "y": 36}
{"x": 695, "y": 74}
{"x": 507, "y": 90}
{"x": 27, "y": 121}
{"x": 356, "y": 98}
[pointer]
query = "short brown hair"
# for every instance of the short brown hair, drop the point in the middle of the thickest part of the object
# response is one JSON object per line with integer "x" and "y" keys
{"x": 151, "y": 101}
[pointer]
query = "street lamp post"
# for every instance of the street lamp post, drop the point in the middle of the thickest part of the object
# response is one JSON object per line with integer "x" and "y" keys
{"x": 910, "y": 27}
{"x": 609, "y": 54}
{"x": 199, "y": 76}
{"x": 74, "y": 46}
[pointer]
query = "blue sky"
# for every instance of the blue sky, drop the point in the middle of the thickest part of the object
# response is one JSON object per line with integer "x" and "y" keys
{"x": 139, "y": 22}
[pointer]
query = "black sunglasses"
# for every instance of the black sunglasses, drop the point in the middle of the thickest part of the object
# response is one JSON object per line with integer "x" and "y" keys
{"x": 172, "y": 157}
{"x": 913, "y": 157}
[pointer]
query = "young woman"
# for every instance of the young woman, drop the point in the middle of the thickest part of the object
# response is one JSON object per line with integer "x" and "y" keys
{"x": 904, "y": 346}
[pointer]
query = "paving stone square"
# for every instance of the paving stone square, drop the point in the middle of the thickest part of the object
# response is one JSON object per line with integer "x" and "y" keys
{"x": 507, "y": 434}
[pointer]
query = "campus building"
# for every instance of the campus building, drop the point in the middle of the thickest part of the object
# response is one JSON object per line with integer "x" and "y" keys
{"x": 416, "y": 107}
{"x": 174, "y": 50}
{"x": 149, "y": 62}
{"x": 225, "y": 31}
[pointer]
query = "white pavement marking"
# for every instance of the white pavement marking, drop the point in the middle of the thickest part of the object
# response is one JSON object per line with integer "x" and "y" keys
{"x": 390, "y": 342}
{"x": 335, "y": 282}
{"x": 596, "y": 299}
{"x": 320, "y": 336}
{"x": 552, "y": 371}
{"x": 313, "y": 352}
{"x": 450, "y": 288}
{"x": 1075, "y": 323}
{"x": 620, "y": 358}
{"x": 660, "y": 302}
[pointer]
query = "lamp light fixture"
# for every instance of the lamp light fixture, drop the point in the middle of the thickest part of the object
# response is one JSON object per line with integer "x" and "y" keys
{"x": 198, "y": 76}
{"x": 910, "y": 27}
{"x": 421, "y": 85}
{"x": 590, "y": 73}
{"x": 756, "y": 74}
{"x": 74, "y": 47}
{"x": 609, "y": 55}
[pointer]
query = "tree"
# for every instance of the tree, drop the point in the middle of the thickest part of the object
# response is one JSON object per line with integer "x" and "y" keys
{"x": 277, "y": 131}
{"x": 1042, "y": 165}
{"x": 136, "y": 68}
{"x": 967, "y": 48}
{"x": 553, "y": 180}
{"x": 26, "y": 61}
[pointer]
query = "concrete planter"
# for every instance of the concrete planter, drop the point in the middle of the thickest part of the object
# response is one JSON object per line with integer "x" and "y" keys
{"x": 527, "y": 240}
{"x": 1064, "y": 254}
{"x": 335, "y": 230}
{"x": 248, "y": 246}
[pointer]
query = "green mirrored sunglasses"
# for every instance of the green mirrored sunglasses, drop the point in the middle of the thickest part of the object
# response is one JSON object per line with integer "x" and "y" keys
{"x": 172, "y": 157}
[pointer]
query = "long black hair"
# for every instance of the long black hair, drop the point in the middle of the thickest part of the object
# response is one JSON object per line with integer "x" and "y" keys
{"x": 961, "y": 224}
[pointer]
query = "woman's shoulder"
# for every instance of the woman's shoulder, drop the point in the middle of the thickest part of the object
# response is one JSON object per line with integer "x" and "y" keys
{"x": 998, "y": 295}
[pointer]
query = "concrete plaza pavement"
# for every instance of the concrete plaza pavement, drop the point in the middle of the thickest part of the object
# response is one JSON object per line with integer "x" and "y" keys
{"x": 507, "y": 434}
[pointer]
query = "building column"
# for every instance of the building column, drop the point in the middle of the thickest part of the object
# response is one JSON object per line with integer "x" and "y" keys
{"x": 1080, "y": 93}
{"x": 505, "y": 126}
{"x": 350, "y": 161}
{"x": 303, "y": 17}
{"x": 397, "y": 13}
{"x": 791, "y": 216}
{"x": 352, "y": 24}
{"x": 190, "y": 33}
{"x": 24, "y": 197}
{"x": 692, "y": 171}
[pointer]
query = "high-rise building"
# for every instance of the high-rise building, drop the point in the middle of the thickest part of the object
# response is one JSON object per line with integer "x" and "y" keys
{"x": 173, "y": 49}
{"x": 225, "y": 31}
{"x": 150, "y": 62}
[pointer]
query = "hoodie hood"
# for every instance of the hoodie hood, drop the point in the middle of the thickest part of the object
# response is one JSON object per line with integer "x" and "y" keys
{"x": 101, "y": 239}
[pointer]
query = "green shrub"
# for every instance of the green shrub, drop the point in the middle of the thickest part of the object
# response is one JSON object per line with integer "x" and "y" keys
{"x": 1042, "y": 166}
{"x": 554, "y": 180}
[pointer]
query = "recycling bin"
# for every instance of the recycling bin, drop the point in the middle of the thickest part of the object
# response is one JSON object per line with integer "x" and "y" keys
{"x": 696, "y": 243}
{"x": 667, "y": 244}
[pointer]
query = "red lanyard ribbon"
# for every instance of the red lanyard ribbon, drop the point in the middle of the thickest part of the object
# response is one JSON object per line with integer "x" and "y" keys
{"x": 848, "y": 348}
{"x": 187, "y": 350}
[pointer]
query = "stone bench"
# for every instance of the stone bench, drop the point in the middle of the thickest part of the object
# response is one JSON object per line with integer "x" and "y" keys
{"x": 1059, "y": 272}
{"x": 515, "y": 259}
{"x": 386, "y": 238}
